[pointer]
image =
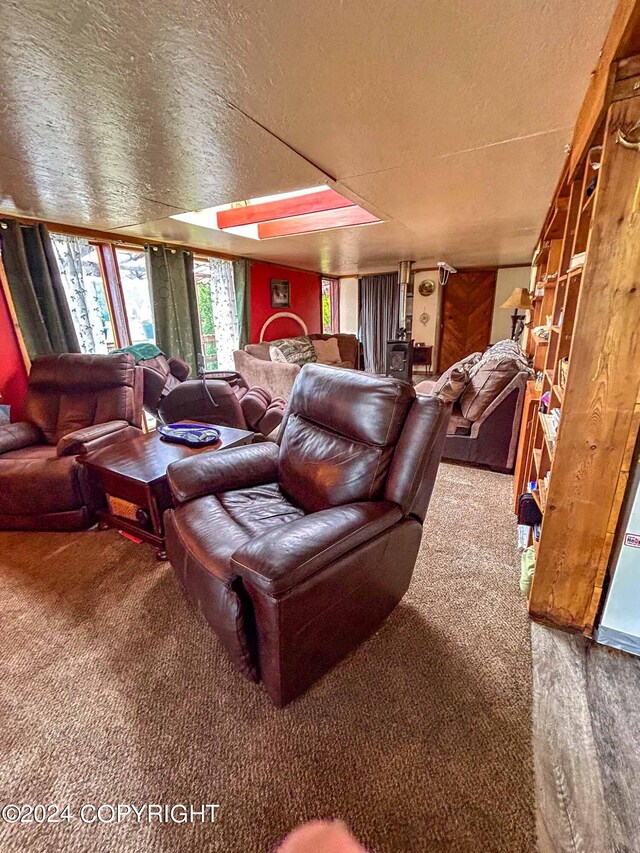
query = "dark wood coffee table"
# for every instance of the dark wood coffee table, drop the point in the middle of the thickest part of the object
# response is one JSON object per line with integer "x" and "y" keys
{"x": 136, "y": 471}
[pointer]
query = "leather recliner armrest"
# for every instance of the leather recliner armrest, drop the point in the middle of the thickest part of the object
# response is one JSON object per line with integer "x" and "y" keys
{"x": 95, "y": 437}
{"x": 223, "y": 471}
{"x": 285, "y": 556}
{"x": 18, "y": 435}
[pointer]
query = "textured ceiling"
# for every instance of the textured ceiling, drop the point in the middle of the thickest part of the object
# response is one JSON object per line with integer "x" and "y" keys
{"x": 448, "y": 120}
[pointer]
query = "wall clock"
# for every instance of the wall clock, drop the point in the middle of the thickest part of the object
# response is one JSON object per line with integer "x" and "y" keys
{"x": 426, "y": 287}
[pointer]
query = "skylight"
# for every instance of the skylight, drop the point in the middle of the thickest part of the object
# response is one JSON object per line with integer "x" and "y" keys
{"x": 282, "y": 215}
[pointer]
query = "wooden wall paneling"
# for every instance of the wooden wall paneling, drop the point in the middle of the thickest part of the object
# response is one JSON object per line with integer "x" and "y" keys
{"x": 466, "y": 315}
{"x": 601, "y": 393}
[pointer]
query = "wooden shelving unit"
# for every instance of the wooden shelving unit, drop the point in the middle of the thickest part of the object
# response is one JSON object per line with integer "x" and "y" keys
{"x": 585, "y": 292}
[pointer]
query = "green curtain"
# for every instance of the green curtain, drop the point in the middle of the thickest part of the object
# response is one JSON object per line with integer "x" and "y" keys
{"x": 36, "y": 289}
{"x": 175, "y": 305}
{"x": 242, "y": 284}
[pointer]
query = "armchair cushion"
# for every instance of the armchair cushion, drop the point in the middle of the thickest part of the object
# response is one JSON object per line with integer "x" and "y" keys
{"x": 286, "y": 556}
{"x": 16, "y": 436}
{"x": 223, "y": 471}
{"x": 72, "y": 391}
{"x": 87, "y": 439}
{"x": 357, "y": 471}
{"x": 35, "y": 482}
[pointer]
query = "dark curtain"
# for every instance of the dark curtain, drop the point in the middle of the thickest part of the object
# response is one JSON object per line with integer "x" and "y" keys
{"x": 36, "y": 290}
{"x": 242, "y": 284}
{"x": 379, "y": 304}
{"x": 175, "y": 305}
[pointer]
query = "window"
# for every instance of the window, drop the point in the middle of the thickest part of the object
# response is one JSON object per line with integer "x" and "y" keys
{"x": 330, "y": 306}
{"x": 215, "y": 291}
{"x": 85, "y": 291}
{"x": 108, "y": 291}
{"x": 132, "y": 266}
{"x": 202, "y": 275}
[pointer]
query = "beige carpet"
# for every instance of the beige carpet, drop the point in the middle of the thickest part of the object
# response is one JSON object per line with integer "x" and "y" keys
{"x": 113, "y": 691}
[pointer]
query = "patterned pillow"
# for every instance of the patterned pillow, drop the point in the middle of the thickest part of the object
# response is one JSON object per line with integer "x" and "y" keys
{"x": 502, "y": 350}
{"x": 455, "y": 384}
{"x": 277, "y": 355}
{"x": 295, "y": 350}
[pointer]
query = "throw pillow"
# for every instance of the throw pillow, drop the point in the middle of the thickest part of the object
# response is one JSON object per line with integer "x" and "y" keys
{"x": 277, "y": 355}
{"x": 296, "y": 350}
{"x": 455, "y": 384}
{"x": 327, "y": 352}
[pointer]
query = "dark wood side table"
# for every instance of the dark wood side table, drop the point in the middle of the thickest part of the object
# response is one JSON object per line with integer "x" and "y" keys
{"x": 136, "y": 471}
{"x": 422, "y": 357}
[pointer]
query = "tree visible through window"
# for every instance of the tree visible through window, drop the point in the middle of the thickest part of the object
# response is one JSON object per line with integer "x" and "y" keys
{"x": 202, "y": 274}
{"x": 84, "y": 288}
{"x": 330, "y": 306}
{"x": 215, "y": 289}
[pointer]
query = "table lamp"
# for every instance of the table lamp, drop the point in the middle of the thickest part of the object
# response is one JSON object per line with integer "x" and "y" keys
{"x": 519, "y": 299}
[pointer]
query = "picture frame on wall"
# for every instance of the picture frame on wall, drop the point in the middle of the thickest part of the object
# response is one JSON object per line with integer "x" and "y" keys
{"x": 280, "y": 293}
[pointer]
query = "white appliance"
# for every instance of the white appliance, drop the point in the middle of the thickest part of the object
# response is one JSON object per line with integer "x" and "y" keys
{"x": 620, "y": 624}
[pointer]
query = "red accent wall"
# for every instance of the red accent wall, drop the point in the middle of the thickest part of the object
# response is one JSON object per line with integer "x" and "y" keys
{"x": 13, "y": 373}
{"x": 305, "y": 293}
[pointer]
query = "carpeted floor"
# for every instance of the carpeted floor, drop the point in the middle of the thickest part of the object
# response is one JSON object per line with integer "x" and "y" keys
{"x": 113, "y": 691}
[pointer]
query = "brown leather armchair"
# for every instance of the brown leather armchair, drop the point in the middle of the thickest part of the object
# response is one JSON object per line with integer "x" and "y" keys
{"x": 224, "y": 398}
{"x": 296, "y": 552}
{"x": 75, "y": 404}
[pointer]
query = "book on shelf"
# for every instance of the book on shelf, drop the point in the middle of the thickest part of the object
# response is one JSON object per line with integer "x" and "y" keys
{"x": 577, "y": 260}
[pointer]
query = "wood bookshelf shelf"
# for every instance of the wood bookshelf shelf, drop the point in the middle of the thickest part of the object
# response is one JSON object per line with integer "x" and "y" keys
{"x": 550, "y": 442}
{"x": 537, "y": 458}
{"x": 588, "y": 203}
{"x": 543, "y": 495}
{"x": 578, "y": 478}
{"x": 541, "y": 342}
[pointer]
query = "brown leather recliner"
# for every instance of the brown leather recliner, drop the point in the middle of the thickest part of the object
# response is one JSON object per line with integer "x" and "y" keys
{"x": 296, "y": 552}
{"x": 226, "y": 400}
{"x": 75, "y": 404}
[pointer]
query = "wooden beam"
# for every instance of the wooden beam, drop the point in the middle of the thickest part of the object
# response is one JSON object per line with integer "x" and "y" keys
{"x": 621, "y": 41}
{"x": 321, "y": 221}
{"x": 282, "y": 208}
{"x": 600, "y": 396}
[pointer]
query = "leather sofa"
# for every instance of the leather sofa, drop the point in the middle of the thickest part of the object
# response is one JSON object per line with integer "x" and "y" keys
{"x": 254, "y": 363}
{"x": 75, "y": 404}
{"x": 227, "y": 401}
{"x": 485, "y": 419}
{"x": 296, "y": 552}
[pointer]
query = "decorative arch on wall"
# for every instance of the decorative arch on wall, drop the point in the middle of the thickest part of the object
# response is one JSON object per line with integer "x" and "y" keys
{"x": 277, "y": 316}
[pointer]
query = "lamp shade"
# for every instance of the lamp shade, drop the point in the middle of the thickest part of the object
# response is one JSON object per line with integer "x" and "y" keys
{"x": 519, "y": 298}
